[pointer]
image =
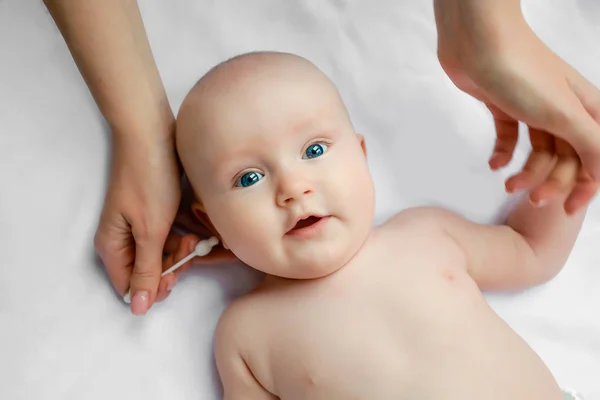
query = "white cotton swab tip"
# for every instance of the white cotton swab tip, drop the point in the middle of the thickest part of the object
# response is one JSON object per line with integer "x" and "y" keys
{"x": 202, "y": 248}
{"x": 205, "y": 246}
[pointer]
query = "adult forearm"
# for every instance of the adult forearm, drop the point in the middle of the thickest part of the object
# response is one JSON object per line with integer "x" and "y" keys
{"x": 108, "y": 42}
{"x": 478, "y": 11}
{"x": 469, "y": 31}
{"x": 483, "y": 5}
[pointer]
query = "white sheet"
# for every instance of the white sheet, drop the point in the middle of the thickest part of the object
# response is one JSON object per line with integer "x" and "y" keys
{"x": 65, "y": 335}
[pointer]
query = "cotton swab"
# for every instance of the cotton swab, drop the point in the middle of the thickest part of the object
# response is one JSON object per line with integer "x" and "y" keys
{"x": 202, "y": 248}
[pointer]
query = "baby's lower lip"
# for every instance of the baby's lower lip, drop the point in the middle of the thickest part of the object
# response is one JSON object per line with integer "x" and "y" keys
{"x": 309, "y": 231}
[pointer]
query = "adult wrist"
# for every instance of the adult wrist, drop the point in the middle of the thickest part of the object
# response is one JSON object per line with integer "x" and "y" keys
{"x": 152, "y": 125}
{"x": 472, "y": 33}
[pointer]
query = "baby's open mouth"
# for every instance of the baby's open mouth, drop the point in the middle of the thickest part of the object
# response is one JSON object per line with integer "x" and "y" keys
{"x": 303, "y": 223}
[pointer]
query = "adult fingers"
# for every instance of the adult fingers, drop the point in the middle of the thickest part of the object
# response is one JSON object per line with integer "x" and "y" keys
{"x": 114, "y": 245}
{"x": 172, "y": 242}
{"x": 165, "y": 286}
{"x": 180, "y": 250}
{"x": 178, "y": 247}
{"x": 186, "y": 245}
{"x": 507, "y": 135}
{"x": 146, "y": 272}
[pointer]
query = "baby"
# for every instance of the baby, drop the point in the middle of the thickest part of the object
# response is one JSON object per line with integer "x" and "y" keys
{"x": 348, "y": 311}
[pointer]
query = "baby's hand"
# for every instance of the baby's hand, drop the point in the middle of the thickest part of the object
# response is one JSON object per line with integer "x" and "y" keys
{"x": 553, "y": 171}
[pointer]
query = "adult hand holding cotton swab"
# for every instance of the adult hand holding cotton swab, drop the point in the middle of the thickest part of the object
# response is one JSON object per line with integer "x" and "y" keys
{"x": 202, "y": 248}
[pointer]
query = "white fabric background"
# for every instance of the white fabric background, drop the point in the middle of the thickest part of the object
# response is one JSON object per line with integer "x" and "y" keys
{"x": 63, "y": 332}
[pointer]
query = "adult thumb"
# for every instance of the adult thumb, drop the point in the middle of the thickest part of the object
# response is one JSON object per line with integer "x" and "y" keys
{"x": 586, "y": 127}
{"x": 145, "y": 277}
{"x": 589, "y": 152}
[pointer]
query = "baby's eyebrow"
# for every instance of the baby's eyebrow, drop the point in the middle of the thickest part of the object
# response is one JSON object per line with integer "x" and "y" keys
{"x": 305, "y": 126}
{"x": 227, "y": 164}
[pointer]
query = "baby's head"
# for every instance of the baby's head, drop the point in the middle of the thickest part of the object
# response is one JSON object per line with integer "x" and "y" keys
{"x": 269, "y": 148}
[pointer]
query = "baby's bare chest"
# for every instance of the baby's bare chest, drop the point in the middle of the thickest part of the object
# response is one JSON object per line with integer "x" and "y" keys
{"x": 372, "y": 321}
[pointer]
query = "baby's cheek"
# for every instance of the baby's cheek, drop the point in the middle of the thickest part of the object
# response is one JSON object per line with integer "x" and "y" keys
{"x": 247, "y": 233}
{"x": 357, "y": 186}
{"x": 253, "y": 250}
{"x": 360, "y": 202}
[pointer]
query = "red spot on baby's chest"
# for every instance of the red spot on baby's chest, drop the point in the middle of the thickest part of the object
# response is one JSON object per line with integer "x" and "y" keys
{"x": 449, "y": 275}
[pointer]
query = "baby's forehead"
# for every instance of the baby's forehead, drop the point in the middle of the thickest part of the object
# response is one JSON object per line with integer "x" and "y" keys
{"x": 241, "y": 105}
{"x": 265, "y": 108}
{"x": 260, "y": 126}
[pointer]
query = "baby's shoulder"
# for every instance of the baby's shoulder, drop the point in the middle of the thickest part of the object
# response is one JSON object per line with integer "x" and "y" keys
{"x": 413, "y": 229}
{"x": 241, "y": 319}
{"x": 425, "y": 218}
{"x": 240, "y": 311}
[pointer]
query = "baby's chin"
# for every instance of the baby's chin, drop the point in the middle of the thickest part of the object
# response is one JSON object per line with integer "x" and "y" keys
{"x": 312, "y": 273}
{"x": 312, "y": 259}
{"x": 304, "y": 268}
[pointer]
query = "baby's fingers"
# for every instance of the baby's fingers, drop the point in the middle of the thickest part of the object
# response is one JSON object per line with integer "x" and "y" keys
{"x": 538, "y": 164}
{"x": 562, "y": 179}
{"x": 584, "y": 191}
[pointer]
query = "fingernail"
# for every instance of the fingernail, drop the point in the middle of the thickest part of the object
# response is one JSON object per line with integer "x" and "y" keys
{"x": 139, "y": 303}
{"x": 510, "y": 187}
{"x": 170, "y": 286}
{"x": 571, "y": 209}
{"x": 538, "y": 203}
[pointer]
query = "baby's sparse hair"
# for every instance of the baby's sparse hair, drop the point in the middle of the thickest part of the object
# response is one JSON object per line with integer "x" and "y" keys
{"x": 253, "y": 59}
{"x": 233, "y": 71}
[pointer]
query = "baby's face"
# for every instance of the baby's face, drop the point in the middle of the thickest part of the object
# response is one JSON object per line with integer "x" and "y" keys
{"x": 280, "y": 172}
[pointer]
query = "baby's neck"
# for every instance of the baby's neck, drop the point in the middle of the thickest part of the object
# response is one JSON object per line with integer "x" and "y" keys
{"x": 278, "y": 281}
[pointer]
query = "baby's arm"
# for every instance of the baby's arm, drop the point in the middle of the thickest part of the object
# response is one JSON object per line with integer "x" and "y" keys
{"x": 529, "y": 249}
{"x": 534, "y": 243}
{"x": 237, "y": 378}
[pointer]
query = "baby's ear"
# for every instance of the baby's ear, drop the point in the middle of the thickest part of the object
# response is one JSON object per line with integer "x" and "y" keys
{"x": 202, "y": 216}
{"x": 361, "y": 140}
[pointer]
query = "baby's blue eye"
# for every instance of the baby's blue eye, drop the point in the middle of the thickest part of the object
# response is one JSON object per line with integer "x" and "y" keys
{"x": 249, "y": 179}
{"x": 315, "y": 150}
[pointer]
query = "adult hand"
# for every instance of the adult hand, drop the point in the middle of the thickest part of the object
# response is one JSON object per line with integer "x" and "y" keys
{"x": 135, "y": 227}
{"x": 489, "y": 51}
{"x": 143, "y": 192}
{"x": 140, "y": 206}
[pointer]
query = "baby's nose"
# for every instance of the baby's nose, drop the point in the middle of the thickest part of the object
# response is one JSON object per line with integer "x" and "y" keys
{"x": 293, "y": 190}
